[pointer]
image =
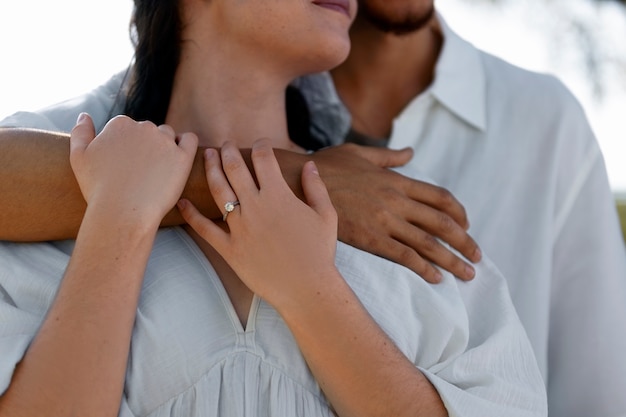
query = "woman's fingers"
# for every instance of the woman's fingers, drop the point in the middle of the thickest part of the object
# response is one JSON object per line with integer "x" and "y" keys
{"x": 168, "y": 130}
{"x": 188, "y": 142}
{"x": 219, "y": 186}
{"x": 265, "y": 164}
{"x": 82, "y": 134}
{"x": 237, "y": 172}
{"x": 208, "y": 230}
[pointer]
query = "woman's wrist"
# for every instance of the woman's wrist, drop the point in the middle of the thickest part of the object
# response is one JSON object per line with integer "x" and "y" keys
{"x": 312, "y": 290}
{"x": 126, "y": 222}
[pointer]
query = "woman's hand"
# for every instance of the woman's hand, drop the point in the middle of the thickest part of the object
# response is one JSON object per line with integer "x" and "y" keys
{"x": 135, "y": 168}
{"x": 275, "y": 241}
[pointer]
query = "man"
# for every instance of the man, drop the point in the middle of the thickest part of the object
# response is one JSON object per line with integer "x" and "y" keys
{"x": 516, "y": 150}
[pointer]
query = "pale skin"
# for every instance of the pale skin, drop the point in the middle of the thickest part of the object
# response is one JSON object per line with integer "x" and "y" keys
{"x": 379, "y": 211}
{"x": 97, "y": 300}
{"x": 130, "y": 182}
{"x": 335, "y": 333}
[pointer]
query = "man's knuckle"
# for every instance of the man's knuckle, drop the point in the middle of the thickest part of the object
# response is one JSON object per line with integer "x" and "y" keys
{"x": 406, "y": 256}
{"x": 445, "y": 197}
{"x": 383, "y": 218}
{"x": 446, "y": 223}
{"x": 429, "y": 243}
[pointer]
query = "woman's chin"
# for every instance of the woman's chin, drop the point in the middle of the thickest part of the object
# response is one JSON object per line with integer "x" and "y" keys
{"x": 329, "y": 57}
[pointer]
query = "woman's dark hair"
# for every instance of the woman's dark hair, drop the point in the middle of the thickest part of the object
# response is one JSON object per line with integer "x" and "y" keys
{"x": 299, "y": 120}
{"x": 156, "y": 34}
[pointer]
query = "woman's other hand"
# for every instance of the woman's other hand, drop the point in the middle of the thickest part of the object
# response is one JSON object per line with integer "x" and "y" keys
{"x": 135, "y": 168}
{"x": 276, "y": 244}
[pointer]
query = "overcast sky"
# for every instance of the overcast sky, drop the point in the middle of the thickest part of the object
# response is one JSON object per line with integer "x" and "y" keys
{"x": 54, "y": 50}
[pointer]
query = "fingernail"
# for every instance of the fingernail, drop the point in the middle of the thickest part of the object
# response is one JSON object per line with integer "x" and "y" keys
{"x": 314, "y": 168}
{"x": 478, "y": 255}
{"x": 438, "y": 277}
{"x": 469, "y": 271}
{"x": 81, "y": 117}
{"x": 181, "y": 204}
{"x": 209, "y": 152}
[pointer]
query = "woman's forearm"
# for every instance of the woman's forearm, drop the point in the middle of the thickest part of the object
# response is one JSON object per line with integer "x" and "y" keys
{"x": 357, "y": 365}
{"x": 76, "y": 363}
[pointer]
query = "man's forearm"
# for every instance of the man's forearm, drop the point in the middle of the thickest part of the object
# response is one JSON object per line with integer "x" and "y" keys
{"x": 41, "y": 199}
{"x": 379, "y": 211}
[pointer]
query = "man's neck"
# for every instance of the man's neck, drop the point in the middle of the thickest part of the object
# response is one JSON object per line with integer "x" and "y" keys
{"x": 384, "y": 72}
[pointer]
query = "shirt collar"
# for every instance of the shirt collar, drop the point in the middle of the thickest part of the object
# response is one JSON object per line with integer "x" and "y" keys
{"x": 460, "y": 81}
{"x": 459, "y": 85}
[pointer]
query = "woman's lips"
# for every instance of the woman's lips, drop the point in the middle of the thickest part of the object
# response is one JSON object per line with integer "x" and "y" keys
{"x": 342, "y": 6}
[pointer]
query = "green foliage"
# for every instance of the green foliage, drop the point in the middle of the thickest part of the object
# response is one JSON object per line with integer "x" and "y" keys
{"x": 621, "y": 208}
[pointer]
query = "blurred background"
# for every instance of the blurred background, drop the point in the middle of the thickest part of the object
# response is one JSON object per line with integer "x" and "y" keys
{"x": 53, "y": 50}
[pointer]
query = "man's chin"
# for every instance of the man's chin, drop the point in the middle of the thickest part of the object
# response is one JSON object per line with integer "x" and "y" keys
{"x": 398, "y": 25}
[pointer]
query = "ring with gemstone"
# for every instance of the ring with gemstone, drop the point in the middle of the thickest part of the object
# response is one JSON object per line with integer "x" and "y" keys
{"x": 228, "y": 207}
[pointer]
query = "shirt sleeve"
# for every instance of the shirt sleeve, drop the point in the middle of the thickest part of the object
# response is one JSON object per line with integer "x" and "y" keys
{"x": 496, "y": 374}
{"x": 29, "y": 278}
{"x": 125, "y": 410}
{"x": 587, "y": 340}
{"x": 102, "y": 103}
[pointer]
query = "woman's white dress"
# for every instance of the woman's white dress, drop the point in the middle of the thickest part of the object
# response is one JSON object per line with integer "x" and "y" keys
{"x": 190, "y": 356}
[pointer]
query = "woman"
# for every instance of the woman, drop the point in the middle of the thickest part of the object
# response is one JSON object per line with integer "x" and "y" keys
{"x": 280, "y": 321}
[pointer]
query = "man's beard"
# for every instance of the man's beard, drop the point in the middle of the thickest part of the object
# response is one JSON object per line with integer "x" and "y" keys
{"x": 398, "y": 26}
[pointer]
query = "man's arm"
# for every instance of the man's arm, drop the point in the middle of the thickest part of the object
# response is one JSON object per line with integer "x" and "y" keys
{"x": 379, "y": 211}
{"x": 39, "y": 193}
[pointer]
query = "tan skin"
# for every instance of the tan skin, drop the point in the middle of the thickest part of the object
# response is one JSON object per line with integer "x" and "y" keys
{"x": 400, "y": 76}
{"x": 42, "y": 201}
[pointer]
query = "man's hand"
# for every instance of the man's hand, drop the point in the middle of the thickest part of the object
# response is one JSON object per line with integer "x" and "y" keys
{"x": 393, "y": 216}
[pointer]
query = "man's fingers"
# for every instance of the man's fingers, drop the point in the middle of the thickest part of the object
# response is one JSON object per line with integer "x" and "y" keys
{"x": 444, "y": 227}
{"x": 433, "y": 251}
{"x": 438, "y": 198}
{"x": 384, "y": 157}
{"x": 404, "y": 255}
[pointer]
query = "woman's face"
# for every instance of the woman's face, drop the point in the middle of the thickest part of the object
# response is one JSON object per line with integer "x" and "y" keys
{"x": 301, "y": 36}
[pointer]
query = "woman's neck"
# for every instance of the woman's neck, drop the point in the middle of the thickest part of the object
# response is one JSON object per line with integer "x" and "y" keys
{"x": 221, "y": 98}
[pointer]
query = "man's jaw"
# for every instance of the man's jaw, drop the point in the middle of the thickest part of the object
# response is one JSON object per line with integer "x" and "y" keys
{"x": 397, "y": 25}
